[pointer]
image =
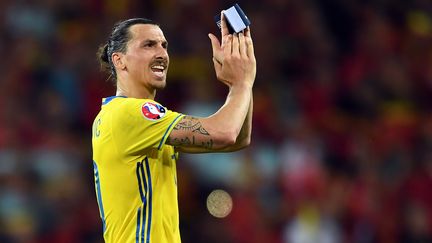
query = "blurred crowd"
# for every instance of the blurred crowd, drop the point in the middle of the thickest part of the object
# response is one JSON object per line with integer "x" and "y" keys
{"x": 342, "y": 129}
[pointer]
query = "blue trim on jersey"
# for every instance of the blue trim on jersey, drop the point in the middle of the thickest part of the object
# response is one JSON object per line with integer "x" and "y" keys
{"x": 150, "y": 199}
{"x": 139, "y": 182}
{"x": 143, "y": 179}
{"x": 108, "y": 99}
{"x": 143, "y": 176}
{"x": 138, "y": 225}
{"x": 163, "y": 138}
{"x": 145, "y": 202}
{"x": 99, "y": 195}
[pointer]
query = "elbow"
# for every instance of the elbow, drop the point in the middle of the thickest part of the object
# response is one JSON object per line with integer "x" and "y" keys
{"x": 226, "y": 139}
{"x": 245, "y": 142}
{"x": 230, "y": 138}
{"x": 231, "y": 141}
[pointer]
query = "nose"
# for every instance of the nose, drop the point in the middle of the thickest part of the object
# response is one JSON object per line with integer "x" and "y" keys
{"x": 161, "y": 52}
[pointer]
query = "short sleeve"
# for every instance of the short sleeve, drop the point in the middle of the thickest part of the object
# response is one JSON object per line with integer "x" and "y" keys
{"x": 140, "y": 124}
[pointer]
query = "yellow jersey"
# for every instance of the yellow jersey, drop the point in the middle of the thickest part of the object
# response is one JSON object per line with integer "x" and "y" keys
{"x": 135, "y": 171}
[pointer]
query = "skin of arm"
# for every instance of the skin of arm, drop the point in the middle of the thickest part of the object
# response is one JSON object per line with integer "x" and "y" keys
{"x": 229, "y": 128}
{"x": 244, "y": 138}
{"x": 201, "y": 141}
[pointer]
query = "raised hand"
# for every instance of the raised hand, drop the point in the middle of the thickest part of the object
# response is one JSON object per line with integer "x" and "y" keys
{"x": 216, "y": 45}
{"x": 234, "y": 59}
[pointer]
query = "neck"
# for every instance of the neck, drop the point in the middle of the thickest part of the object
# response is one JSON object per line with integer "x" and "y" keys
{"x": 135, "y": 91}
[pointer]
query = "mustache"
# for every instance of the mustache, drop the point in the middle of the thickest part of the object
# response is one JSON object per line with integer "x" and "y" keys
{"x": 160, "y": 61}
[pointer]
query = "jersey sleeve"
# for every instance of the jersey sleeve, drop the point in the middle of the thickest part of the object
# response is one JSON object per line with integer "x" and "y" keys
{"x": 139, "y": 125}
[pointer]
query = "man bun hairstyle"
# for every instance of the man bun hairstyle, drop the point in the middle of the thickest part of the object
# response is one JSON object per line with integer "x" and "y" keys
{"x": 117, "y": 42}
{"x": 104, "y": 53}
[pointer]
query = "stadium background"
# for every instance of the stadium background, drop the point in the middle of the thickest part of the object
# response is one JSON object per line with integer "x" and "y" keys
{"x": 342, "y": 135}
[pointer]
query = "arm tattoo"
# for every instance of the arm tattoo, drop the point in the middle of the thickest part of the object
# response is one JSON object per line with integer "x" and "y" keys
{"x": 191, "y": 123}
{"x": 179, "y": 142}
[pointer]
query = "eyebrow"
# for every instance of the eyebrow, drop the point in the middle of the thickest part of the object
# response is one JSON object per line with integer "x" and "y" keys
{"x": 153, "y": 41}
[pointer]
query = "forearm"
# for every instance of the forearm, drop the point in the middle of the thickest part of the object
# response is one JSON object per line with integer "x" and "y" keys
{"x": 229, "y": 119}
{"x": 246, "y": 130}
{"x": 218, "y": 132}
{"x": 243, "y": 139}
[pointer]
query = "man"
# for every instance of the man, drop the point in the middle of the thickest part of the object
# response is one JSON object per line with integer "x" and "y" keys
{"x": 136, "y": 140}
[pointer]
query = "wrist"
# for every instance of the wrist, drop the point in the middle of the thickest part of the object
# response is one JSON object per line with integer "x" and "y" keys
{"x": 241, "y": 86}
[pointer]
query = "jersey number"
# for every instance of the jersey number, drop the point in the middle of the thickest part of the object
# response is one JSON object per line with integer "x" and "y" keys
{"x": 96, "y": 131}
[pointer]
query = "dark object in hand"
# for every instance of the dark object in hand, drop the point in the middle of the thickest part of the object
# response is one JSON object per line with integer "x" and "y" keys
{"x": 237, "y": 20}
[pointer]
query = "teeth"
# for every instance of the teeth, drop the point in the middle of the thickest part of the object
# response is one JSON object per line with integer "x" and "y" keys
{"x": 158, "y": 67}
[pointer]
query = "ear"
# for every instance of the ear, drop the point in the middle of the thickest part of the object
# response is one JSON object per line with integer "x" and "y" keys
{"x": 117, "y": 59}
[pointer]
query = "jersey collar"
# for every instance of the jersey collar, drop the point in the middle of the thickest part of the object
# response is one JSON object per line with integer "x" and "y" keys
{"x": 108, "y": 99}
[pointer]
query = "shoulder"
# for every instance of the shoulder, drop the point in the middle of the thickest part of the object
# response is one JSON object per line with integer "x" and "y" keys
{"x": 132, "y": 108}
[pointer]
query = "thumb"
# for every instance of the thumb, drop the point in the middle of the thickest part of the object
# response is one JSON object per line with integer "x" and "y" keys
{"x": 215, "y": 43}
{"x": 218, "y": 70}
{"x": 216, "y": 48}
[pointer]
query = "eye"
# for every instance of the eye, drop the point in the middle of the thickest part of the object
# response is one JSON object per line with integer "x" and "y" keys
{"x": 148, "y": 44}
{"x": 165, "y": 45}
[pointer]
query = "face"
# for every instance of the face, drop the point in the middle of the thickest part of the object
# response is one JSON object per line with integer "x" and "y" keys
{"x": 146, "y": 59}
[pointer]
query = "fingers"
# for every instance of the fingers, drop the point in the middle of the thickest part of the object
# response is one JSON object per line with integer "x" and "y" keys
{"x": 227, "y": 46}
{"x": 238, "y": 45}
{"x": 216, "y": 48}
{"x": 247, "y": 32}
{"x": 215, "y": 43}
{"x": 242, "y": 45}
{"x": 224, "y": 26}
{"x": 249, "y": 43}
{"x": 235, "y": 45}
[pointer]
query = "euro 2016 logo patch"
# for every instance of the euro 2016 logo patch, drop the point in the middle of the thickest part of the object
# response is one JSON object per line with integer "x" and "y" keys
{"x": 153, "y": 111}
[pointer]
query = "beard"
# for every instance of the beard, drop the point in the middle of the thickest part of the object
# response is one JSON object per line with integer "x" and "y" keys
{"x": 158, "y": 84}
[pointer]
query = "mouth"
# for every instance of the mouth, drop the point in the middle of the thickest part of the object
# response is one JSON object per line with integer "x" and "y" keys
{"x": 159, "y": 69}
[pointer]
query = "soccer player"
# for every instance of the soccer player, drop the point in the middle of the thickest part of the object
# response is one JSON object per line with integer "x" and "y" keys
{"x": 135, "y": 139}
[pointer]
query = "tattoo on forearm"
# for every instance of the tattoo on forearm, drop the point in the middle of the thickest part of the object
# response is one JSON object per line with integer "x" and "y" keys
{"x": 208, "y": 144}
{"x": 192, "y": 124}
{"x": 179, "y": 141}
